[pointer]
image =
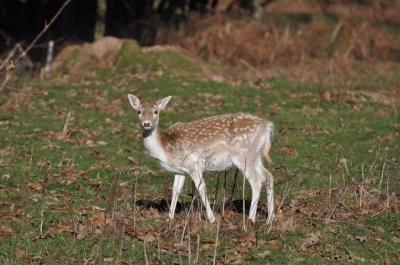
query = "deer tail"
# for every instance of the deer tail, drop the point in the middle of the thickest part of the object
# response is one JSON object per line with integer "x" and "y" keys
{"x": 267, "y": 145}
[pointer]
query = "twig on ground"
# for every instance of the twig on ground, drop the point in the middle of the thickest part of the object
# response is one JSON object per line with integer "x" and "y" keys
{"x": 188, "y": 245}
{"x": 144, "y": 251}
{"x": 31, "y": 156}
{"x": 387, "y": 191}
{"x": 380, "y": 182}
{"x": 353, "y": 180}
{"x": 216, "y": 242}
{"x": 330, "y": 190}
{"x": 280, "y": 206}
{"x": 378, "y": 213}
{"x": 47, "y": 176}
{"x": 224, "y": 196}
{"x": 158, "y": 247}
{"x": 336, "y": 30}
{"x": 216, "y": 191}
{"x": 244, "y": 204}
{"x": 284, "y": 197}
{"x": 187, "y": 219}
{"x": 362, "y": 227}
{"x": 361, "y": 186}
{"x": 19, "y": 90}
{"x": 197, "y": 250}
{"x": 65, "y": 129}
{"x": 135, "y": 198}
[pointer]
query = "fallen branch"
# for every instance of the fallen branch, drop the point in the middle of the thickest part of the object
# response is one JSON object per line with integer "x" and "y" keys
{"x": 19, "y": 90}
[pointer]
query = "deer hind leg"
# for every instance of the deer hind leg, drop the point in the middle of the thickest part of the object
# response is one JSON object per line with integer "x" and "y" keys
{"x": 249, "y": 171}
{"x": 268, "y": 181}
{"x": 176, "y": 190}
{"x": 201, "y": 187}
{"x": 256, "y": 185}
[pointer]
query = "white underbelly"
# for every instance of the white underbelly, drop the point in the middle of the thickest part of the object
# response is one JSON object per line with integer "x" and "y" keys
{"x": 212, "y": 163}
{"x": 215, "y": 163}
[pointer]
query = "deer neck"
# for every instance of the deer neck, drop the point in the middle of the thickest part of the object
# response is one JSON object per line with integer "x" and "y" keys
{"x": 153, "y": 143}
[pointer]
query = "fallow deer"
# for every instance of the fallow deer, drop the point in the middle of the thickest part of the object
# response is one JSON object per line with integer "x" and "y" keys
{"x": 209, "y": 145}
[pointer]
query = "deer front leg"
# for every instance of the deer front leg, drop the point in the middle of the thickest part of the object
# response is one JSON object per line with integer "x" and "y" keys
{"x": 176, "y": 190}
{"x": 201, "y": 187}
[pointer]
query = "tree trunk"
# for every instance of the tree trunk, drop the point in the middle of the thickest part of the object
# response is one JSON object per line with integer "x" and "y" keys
{"x": 100, "y": 19}
{"x": 256, "y": 9}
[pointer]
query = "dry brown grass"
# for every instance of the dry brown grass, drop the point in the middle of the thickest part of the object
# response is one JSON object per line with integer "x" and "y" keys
{"x": 308, "y": 52}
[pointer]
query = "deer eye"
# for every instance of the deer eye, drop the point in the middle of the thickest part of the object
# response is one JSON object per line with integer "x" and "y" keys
{"x": 156, "y": 112}
{"x": 139, "y": 112}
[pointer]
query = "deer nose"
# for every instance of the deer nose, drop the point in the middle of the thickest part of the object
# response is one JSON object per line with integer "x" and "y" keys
{"x": 146, "y": 124}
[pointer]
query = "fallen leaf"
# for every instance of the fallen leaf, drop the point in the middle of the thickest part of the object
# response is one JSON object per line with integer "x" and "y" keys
{"x": 262, "y": 255}
{"x": 389, "y": 137}
{"x": 396, "y": 256}
{"x": 209, "y": 241}
{"x": 310, "y": 240}
{"x": 288, "y": 150}
{"x": 99, "y": 219}
{"x": 117, "y": 101}
{"x": 383, "y": 111}
{"x": 377, "y": 229}
{"x": 37, "y": 258}
{"x": 395, "y": 239}
{"x": 312, "y": 156}
{"x": 5, "y": 231}
{"x": 139, "y": 77}
{"x": 330, "y": 144}
{"x": 207, "y": 95}
{"x": 331, "y": 97}
{"x": 101, "y": 143}
{"x": 205, "y": 247}
{"x": 242, "y": 249}
{"x": 147, "y": 237}
{"x": 274, "y": 244}
{"x": 354, "y": 207}
{"x": 238, "y": 259}
{"x": 19, "y": 253}
{"x": 249, "y": 237}
{"x": 34, "y": 186}
{"x": 352, "y": 256}
{"x": 361, "y": 238}
{"x": 284, "y": 129}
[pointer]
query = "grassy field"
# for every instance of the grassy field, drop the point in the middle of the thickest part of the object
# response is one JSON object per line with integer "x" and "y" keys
{"x": 78, "y": 187}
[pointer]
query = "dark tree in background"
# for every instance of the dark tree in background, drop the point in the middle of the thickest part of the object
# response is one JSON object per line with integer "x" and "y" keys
{"x": 22, "y": 20}
{"x": 86, "y": 20}
{"x": 100, "y": 19}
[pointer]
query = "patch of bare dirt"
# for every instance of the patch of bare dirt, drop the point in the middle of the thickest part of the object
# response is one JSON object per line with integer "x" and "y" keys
{"x": 104, "y": 50}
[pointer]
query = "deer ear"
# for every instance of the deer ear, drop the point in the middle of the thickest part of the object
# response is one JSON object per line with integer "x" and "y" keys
{"x": 135, "y": 102}
{"x": 163, "y": 102}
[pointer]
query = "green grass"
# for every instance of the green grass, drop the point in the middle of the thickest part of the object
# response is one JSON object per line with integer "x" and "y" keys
{"x": 322, "y": 151}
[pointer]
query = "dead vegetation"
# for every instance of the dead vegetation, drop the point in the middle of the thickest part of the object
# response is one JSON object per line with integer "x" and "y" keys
{"x": 308, "y": 52}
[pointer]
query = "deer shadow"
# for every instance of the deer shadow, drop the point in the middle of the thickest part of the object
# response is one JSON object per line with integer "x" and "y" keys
{"x": 163, "y": 204}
